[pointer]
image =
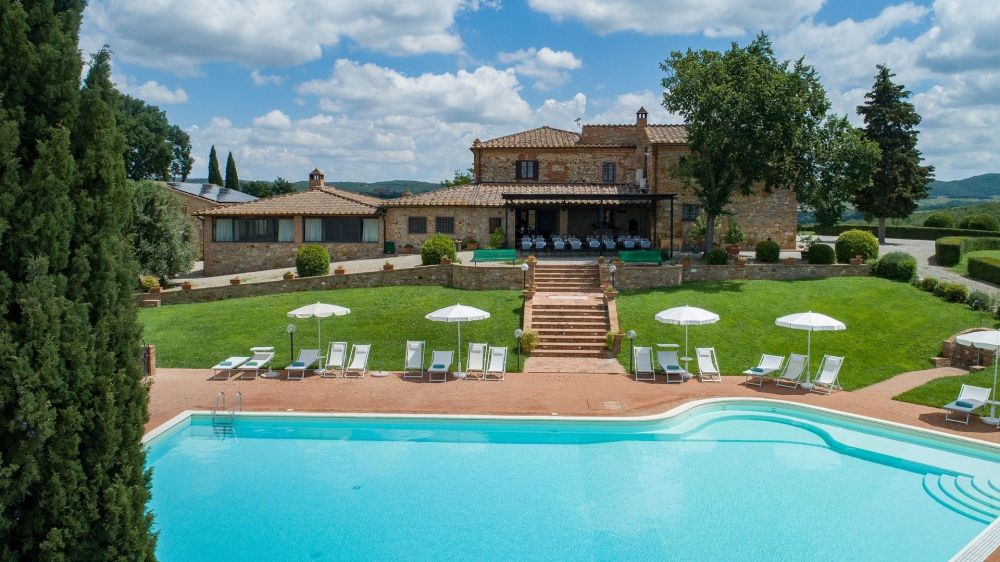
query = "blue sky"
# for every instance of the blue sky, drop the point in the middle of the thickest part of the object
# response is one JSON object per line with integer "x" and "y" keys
{"x": 388, "y": 89}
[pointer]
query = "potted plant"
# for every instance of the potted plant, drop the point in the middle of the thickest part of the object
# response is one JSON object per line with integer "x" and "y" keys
{"x": 610, "y": 293}
{"x": 446, "y": 260}
{"x": 734, "y": 239}
{"x": 408, "y": 248}
{"x": 857, "y": 260}
{"x": 470, "y": 243}
{"x": 288, "y": 276}
{"x": 186, "y": 286}
{"x": 532, "y": 260}
{"x": 340, "y": 270}
{"x": 529, "y": 291}
{"x": 150, "y": 283}
{"x": 235, "y": 280}
{"x": 388, "y": 266}
{"x": 685, "y": 261}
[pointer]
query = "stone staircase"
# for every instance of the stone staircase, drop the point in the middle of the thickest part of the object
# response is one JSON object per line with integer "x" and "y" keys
{"x": 569, "y": 312}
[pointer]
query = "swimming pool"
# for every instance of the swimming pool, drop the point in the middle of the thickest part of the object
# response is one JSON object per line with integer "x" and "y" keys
{"x": 729, "y": 479}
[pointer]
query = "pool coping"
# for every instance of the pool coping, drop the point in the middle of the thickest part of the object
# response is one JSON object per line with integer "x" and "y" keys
{"x": 978, "y": 549}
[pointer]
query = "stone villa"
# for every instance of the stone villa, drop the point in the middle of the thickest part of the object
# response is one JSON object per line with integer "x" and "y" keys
{"x": 201, "y": 196}
{"x": 612, "y": 179}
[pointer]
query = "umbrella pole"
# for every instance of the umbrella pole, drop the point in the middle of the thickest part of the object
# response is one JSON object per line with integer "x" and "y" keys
{"x": 319, "y": 336}
{"x": 993, "y": 420}
{"x": 686, "y": 354}
{"x": 808, "y": 385}
{"x": 459, "y": 346}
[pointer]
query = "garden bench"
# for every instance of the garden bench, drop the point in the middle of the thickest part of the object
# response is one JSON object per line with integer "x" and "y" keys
{"x": 494, "y": 255}
{"x": 641, "y": 256}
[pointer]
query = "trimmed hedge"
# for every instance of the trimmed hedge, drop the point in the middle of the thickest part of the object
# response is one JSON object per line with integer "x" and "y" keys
{"x": 952, "y": 292}
{"x": 985, "y": 269}
{"x": 939, "y": 220}
{"x": 904, "y": 232}
{"x": 949, "y": 250}
{"x": 928, "y": 284}
{"x": 898, "y": 266}
{"x": 982, "y": 221}
{"x": 312, "y": 260}
{"x": 435, "y": 247}
{"x": 768, "y": 251}
{"x": 821, "y": 254}
{"x": 856, "y": 243}
{"x": 717, "y": 257}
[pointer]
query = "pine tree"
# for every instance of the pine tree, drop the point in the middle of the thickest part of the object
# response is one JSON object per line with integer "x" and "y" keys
{"x": 232, "y": 178}
{"x": 214, "y": 175}
{"x": 899, "y": 181}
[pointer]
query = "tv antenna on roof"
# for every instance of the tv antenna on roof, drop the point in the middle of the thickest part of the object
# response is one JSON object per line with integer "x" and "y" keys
{"x": 577, "y": 121}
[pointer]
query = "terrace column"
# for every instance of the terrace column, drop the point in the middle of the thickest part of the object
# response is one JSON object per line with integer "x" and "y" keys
{"x": 563, "y": 220}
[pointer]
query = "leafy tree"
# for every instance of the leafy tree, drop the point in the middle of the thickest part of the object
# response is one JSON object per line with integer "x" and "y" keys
{"x": 751, "y": 120}
{"x": 281, "y": 185}
{"x": 162, "y": 234}
{"x": 844, "y": 162}
{"x": 148, "y": 152}
{"x": 899, "y": 181}
{"x": 262, "y": 188}
{"x": 232, "y": 178}
{"x": 461, "y": 178}
{"x": 214, "y": 175}
{"x": 181, "y": 161}
{"x": 72, "y": 477}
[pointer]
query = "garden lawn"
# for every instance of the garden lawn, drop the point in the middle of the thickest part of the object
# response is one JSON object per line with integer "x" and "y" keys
{"x": 939, "y": 392}
{"x": 200, "y": 335}
{"x": 962, "y": 267}
{"x": 892, "y": 327}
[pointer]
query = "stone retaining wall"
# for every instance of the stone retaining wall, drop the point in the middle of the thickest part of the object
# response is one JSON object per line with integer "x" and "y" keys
{"x": 648, "y": 277}
{"x": 964, "y": 356}
{"x": 475, "y": 278}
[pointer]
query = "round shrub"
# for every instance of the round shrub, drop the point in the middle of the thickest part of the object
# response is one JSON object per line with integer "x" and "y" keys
{"x": 717, "y": 257}
{"x": 928, "y": 284}
{"x": 821, "y": 254}
{"x": 898, "y": 266}
{"x": 312, "y": 260}
{"x": 856, "y": 243}
{"x": 437, "y": 246}
{"x": 529, "y": 341}
{"x": 147, "y": 282}
{"x": 980, "y": 300}
{"x": 983, "y": 221}
{"x": 939, "y": 220}
{"x": 952, "y": 292}
{"x": 768, "y": 251}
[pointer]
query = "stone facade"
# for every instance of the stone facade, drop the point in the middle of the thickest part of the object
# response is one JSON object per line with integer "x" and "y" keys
{"x": 650, "y": 276}
{"x": 192, "y": 204}
{"x": 557, "y": 165}
{"x": 964, "y": 356}
{"x": 469, "y": 222}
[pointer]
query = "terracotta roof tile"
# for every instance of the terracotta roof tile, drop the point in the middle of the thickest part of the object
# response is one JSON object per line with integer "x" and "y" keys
{"x": 491, "y": 194}
{"x": 602, "y": 136}
{"x": 667, "y": 134}
{"x": 326, "y": 201}
{"x": 542, "y": 137}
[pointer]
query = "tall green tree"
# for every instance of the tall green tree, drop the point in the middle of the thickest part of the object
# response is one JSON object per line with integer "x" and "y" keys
{"x": 900, "y": 181}
{"x": 72, "y": 477}
{"x": 460, "y": 178}
{"x": 281, "y": 185}
{"x": 148, "y": 151}
{"x": 843, "y": 162}
{"x": 232, "y": 177}
{"x": 162, "y": 234}
{"x": 751, "y": 120}
{"x": 182, "y": 161}
{"x": 214, "y": 174}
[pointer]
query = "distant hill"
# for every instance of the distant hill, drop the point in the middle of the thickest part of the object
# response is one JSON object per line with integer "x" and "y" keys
{"x": 985, "y": 186}
{"x": 382, "y": 189}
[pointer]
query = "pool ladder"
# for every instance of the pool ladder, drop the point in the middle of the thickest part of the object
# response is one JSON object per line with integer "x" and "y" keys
{"x": 222, "y": 423}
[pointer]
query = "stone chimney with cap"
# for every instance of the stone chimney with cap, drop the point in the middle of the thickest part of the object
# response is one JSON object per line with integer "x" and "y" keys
{"x": 316, "y": 179}
{"x": 640, "y": 118}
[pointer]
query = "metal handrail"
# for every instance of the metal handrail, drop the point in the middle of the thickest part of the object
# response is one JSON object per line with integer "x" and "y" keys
{"x": 237, "y": 404}
{"x": 220, "y": 401}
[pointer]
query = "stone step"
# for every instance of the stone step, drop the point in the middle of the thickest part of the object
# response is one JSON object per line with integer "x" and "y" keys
{"x": 566, "y": 353}
{"x": 575, "y": 308}
{"x": 572, "y": 346}
{"x": 579, "y": 325}
{"x": 547, "y": 339}
{"x": 545, "y": 332}
{"x": 561, "y": 288}
{"x": 578, "y": 279}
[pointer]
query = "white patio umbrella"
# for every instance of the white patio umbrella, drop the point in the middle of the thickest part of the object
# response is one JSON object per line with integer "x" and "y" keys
{"x": 686, "y": 316}
{"x": 319, "y": 310}
{"x": 811, "y": 322}
{"x": 986, "y": 339}
{"x": 458, "y": 313}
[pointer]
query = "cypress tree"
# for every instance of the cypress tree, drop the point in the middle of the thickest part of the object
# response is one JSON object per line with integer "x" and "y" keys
{"x": 214, "y": 175}
{"x": 72, "y": 477}
{"x": 899, "y": 181}
{"x": 232, "y": 178}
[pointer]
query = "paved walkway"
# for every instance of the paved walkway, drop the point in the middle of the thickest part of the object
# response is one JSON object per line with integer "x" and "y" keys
{"x": 532, "y": 393}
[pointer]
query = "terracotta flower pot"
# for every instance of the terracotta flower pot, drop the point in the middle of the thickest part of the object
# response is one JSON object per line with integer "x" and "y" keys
{"x": 388, "y": 267}
{"x": 789, "y": 261}
{"x": 340, "y": 271}
{"x": 856, "y": 260}
{"x": 186, "y": 286}
{"x": 288, "y": 276}
{"x": 235, "y": 281}
{"x": 156, "y": 289}
{"x": 445, "y": 261}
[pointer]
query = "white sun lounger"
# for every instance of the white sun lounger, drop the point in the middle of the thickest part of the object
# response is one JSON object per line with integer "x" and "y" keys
{"x": 768, "y": 364}
{"x": 228, "y": 366}
{"x": 671, "y": 366}
{"x": 359, "y": 361}
{"x": 794, "y": 368}
{"x": 440, "y": 365}
{"x": 970, "y": 398}
{"x": 413, "y": 362}
{"x": 643, "y": 358}
{"x": 475, "y": 367}
{"x": 708, "y": 365}
{"x": 336, "y": 358}
{"x": 497, "y": 366}
{"x": 829, "y": 370}
{"x": 262, "y": 357}
{"x": 306, "y": 360}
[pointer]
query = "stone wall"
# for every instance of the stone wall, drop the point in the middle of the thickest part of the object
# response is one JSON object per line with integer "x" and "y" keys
{"x": 470, "y": 222}
{"x": 647, "y": 276}
{"x": 964, "y": 356}
{"x": 191, "y": 204}
{"x": 475, "y": 278}
{"x": 224, "y": 258}
{"x": 650, "y": 276}
{"x": 558, "y": 165}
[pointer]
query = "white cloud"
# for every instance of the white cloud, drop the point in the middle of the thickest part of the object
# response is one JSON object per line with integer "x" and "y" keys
{"x": 260, "y": 79}
{"x": 964, "y": 36}
{"x": 151, "y": 91}
{"x": 713, "y": 18}
{"x": 549, "y": 68}
{"x": 485, "y": 95}
{"x": 180, "y": 35}
{"x": 274, "y": 119}
{"x": 622, "y": 109}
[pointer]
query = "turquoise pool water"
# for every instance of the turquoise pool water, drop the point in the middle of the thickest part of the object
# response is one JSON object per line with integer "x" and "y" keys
{"x": 740, "y": 481}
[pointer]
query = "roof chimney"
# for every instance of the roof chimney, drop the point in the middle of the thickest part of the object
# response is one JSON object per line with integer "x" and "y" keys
{"x": 316, "y": 179}
{"x": 640, "y": 117}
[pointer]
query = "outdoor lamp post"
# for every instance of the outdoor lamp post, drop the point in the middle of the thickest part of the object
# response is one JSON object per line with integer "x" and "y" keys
{"x": 524, "y": 276}
{"x": 612, "y": 269}
{"x": 631, "y": 349}
{"x": 517, "y": 334}
{"x": 291, "y": 340}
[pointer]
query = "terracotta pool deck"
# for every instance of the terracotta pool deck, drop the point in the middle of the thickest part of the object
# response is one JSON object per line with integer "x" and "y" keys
{"x": 534, "y": 393}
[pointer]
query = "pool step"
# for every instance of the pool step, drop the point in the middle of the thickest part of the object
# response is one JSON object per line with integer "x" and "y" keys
{"x": 961, "y": 496}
